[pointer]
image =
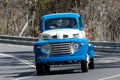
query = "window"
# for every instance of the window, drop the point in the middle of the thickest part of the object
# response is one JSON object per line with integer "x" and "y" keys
{"x": 60, "y": 23}
{"x": 80, "y": 22}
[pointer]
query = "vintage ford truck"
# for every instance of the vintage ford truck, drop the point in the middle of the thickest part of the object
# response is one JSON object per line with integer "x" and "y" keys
{"x": 62, "y": 40}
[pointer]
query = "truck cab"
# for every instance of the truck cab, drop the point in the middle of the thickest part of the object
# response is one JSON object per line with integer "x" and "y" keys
{"x": 62, "y": 40}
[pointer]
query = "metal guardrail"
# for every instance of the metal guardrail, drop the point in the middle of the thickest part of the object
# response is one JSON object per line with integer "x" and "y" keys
{"x": 106, "y": 46}
{"x": 29, "y": 41}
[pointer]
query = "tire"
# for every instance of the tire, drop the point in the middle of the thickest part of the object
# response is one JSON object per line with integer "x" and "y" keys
{"x": 91, "y": 64}
{"x": 42, "y": 68}
{"x": 84, "y": 66}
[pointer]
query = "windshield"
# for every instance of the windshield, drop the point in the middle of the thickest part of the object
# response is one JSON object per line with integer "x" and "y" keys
{"x": 60, "y": 23}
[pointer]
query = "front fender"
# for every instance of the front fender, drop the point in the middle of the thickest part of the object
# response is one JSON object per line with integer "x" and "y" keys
{"x": 91, "y": 51}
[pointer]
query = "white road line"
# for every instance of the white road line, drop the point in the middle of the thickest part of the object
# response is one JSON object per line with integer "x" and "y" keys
{"x": 5, "y": 55}
{"x": 19, "y": 59}
{"x": 110, "y": 77}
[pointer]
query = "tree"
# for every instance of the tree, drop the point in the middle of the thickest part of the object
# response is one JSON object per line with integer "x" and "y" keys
{"x": 101, "y": 16}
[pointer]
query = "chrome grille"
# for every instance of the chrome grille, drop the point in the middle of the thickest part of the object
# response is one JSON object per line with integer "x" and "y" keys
{"x": 61, "y": 48}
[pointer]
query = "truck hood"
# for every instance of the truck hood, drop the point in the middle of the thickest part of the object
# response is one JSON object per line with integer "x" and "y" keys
{"x": 63, "y": 33}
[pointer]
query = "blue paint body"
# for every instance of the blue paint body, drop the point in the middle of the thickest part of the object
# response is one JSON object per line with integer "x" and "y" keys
{"x": 78, "y": 55}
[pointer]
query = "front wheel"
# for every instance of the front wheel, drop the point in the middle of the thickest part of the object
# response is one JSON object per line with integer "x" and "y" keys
{"x": 91, "y": 64}
{"x": 42, "y": 68}
{"x": 84, "y": 66}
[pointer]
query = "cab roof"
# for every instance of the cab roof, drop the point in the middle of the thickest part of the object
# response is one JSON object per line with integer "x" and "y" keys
{"x": 61, "y": 15}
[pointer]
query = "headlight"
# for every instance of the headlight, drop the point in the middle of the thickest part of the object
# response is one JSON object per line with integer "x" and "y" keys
{"x": 76, "y": 46}
{"x": 45, "y": 48}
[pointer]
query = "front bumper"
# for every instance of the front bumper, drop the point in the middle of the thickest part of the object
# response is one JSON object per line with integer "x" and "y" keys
{"x": 61, "y": 59}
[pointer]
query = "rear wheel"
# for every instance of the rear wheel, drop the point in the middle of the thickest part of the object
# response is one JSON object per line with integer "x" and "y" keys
{"x": 42, "y": 68}
{"x": 91, "y": 64}
{"x": 84, "y": 66}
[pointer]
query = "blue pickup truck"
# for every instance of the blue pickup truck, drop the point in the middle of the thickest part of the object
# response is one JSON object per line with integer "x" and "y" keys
{"x": 62, "y": 40}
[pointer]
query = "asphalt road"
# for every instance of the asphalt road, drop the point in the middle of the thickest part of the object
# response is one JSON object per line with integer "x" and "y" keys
{"x": 17, "y": 63}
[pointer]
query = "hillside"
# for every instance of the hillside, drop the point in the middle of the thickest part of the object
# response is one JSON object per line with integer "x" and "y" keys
{"x": 101, "y": 17}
